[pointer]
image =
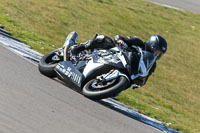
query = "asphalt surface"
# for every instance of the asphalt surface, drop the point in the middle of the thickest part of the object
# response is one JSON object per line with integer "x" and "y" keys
{"x": 191, "y": 5}
{"x": 33, "y": 103}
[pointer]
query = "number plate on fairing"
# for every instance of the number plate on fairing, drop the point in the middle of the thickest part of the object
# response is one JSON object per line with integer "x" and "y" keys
{"x": 68, "y": 72}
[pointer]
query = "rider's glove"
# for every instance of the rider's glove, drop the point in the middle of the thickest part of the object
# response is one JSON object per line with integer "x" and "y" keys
{"x": 122, "y": 44}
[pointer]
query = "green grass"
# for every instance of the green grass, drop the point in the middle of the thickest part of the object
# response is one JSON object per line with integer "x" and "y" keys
{"x": 172, "y": 94}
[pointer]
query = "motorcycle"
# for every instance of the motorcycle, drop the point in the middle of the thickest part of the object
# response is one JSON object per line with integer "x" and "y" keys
{"x": 96, "y": 73}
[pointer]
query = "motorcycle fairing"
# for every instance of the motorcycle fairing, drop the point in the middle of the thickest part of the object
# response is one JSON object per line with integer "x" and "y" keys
{"x": 109, "y": 57}
{"x": 91, "y": 67}
{"x": 146, "y": 61}
{"x": 102, "y": 60}
{"x": 67, "y": 72}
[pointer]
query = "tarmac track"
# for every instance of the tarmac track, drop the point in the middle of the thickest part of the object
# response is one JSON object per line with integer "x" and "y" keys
{"x": 33, "y": 103}
{"x": 191, "y": 5}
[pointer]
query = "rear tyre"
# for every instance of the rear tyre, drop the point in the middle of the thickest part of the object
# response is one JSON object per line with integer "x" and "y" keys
{"x": 46, "y": 65}
{"x": 95, "y": 91}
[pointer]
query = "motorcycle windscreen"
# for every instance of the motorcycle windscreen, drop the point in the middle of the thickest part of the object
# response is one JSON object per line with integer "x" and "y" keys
{"x": 148, "y": 59}
{"x": 69, "y": 73}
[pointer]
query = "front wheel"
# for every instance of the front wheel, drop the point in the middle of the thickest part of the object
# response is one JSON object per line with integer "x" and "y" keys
{"x": 97, "y": 90}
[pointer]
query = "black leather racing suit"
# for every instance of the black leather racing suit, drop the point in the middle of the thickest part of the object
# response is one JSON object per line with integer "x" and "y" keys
{"x": 133, "y": 40}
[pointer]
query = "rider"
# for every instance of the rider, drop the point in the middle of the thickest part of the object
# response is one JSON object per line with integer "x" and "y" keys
{"x": 156, "y": 45}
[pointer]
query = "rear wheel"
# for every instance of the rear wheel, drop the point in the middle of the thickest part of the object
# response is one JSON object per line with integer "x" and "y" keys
{"x": 94, "y": 89}
{"x": 48, "y": 62}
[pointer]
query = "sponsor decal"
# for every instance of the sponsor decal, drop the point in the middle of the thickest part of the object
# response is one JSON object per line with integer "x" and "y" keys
{"x": 68, "y": 72}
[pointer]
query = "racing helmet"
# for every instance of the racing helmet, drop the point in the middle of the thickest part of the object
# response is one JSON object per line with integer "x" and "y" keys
{"x": 157, "y": 45}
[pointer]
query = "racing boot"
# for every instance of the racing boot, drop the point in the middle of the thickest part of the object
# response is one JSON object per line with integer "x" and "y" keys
{"x": 77, "y": 48}
{"x": 82, "y": 46}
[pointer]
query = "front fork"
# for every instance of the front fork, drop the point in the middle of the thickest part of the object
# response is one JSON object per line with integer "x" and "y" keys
{"x": 113, "y": 74}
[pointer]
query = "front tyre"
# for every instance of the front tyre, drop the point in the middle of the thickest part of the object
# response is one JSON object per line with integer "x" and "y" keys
{"x": 96, "y": 91}
{"x": 48, "y": 62}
